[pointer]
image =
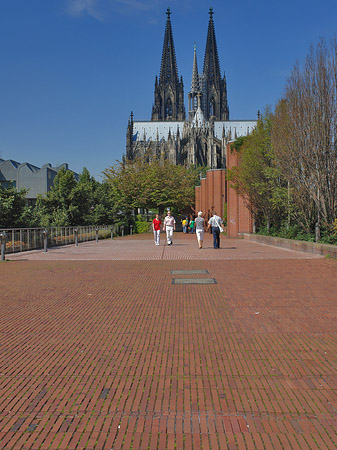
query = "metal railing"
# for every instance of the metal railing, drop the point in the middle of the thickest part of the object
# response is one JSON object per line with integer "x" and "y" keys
{"x": 13, "y": 240}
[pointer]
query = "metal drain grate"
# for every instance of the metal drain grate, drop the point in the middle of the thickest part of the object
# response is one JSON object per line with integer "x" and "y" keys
{"x": 194, "y": 281}
{"x": 188, "y": 272}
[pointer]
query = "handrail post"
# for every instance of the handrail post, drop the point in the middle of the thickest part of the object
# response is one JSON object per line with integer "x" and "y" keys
{"x": 76, "y": 237}
{"x": 112, "y": 232}
{"x": 96, "y": 229}
{"x": 3, "y": 236}
{"x": 45, "y": 240}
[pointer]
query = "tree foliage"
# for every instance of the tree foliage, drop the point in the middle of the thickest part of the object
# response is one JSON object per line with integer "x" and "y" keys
{"x": 71, "y": 202}
{"x": 258, "y": 176}
{"x": 305, "y": 134}
{"x": 288, "y": 165}
{"x": 159, "y": 184}
{"x": 13, "y": 209}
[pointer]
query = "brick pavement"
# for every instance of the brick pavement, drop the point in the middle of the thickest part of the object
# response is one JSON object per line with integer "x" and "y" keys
{"x": 110, "y": 354}
{"x": 140, "y": 247}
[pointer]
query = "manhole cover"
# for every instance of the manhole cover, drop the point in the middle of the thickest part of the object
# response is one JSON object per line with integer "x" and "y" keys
{"x": 188, "y": 272}
{"x": 194, "y": 281}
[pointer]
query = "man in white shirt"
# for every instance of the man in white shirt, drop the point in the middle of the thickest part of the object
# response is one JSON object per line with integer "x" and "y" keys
{"x": 169, "y": 226}
{"x": 215, "y": 222}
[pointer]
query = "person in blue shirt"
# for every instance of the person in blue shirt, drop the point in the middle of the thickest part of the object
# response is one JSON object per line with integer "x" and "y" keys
{"x": 215, "y": 222}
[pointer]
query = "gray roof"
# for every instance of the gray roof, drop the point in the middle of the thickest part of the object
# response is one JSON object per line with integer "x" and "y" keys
{"x": 28, "y": 176}
{"x": 150, "y": 131}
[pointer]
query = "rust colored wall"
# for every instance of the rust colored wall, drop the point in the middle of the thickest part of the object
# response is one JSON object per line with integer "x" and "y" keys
{"x": 197, "y": 196}
{"x": 211, "y": 194}
{"x": 214, "y": 191}
{"x": 239, "y": 219}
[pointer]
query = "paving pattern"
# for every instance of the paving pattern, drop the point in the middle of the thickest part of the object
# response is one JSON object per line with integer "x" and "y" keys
{"x": 142, "y": 248}
{"x": 110, "y": 354}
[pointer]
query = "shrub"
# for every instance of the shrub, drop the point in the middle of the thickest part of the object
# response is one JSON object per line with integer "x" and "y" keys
{"x": 291, "y": 232}
{"x": 141, "y": 226}
{"x": 104, "y": 234}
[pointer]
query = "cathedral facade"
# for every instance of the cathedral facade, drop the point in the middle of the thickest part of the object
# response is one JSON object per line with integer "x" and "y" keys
{"x": 200, "y": 137}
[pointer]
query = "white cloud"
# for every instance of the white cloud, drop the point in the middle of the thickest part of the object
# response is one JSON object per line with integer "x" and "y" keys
{"x": 102, "y": 9}
{"x": 142, "y": 5}
{"x": 90, "y": 7}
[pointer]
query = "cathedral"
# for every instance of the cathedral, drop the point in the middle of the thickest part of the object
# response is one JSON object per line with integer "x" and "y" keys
{"x": 200, "y": 137}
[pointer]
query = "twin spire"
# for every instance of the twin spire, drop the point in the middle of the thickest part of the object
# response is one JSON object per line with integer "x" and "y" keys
{"x": 169, "y": 92}
{"x": 208, "y": 90}
{"x": 168, "y": 70}
{"x": 211, "y": 61}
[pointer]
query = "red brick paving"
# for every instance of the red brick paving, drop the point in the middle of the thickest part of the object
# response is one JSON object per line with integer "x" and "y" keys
{"x": 141, "y": 247}
{"x": 109, "y": 354}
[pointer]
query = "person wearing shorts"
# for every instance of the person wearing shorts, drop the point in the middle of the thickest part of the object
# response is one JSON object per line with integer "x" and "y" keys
{"x": 199, "y": 228}
{"x": 169, "y": 227}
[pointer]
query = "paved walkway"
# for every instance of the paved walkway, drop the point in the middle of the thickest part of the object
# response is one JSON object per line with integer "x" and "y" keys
{"x": 142, "y": 248}
{"x": 100, "y": 350}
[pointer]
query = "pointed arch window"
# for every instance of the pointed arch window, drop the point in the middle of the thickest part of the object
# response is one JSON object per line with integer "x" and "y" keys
{"x": 160, "y": 109}
{"x": 212, "y": 107}
{"x": 168, "y": 108}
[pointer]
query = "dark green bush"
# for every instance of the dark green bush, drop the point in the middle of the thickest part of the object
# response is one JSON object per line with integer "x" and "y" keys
{"x": 142, "y": 227}
{"x": 291, "y": 232}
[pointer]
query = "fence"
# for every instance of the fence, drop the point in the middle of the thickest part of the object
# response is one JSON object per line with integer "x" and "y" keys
{"x": 23, "y": 239}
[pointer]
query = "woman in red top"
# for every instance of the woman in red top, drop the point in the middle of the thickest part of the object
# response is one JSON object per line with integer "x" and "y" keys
{"x": 156, "y": 224}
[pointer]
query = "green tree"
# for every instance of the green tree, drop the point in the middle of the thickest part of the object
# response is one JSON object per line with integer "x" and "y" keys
{"x": 104, "y": 209}
{"x": 305, "y": 135}
{"x": 258, "y": 176}
{"x": 13, "y": 209}
{"x": 140, "y": 184}
{"x": 71, "y": 202}
{"x": 57, "y": 208}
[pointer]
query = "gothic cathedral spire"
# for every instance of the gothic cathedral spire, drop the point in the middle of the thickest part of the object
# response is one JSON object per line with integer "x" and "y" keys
{"x": 214, "y": 92}
{"x": 169, "y": 92}
{"x": 195, "y": 87}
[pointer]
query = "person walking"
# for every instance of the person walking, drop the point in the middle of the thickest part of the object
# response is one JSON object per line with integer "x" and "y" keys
{"x": 169, "y": 226}
{"x": 156, "y": 224}
{"x": 199, "y": 228}
{"x": 184, "y": 221}
{"x": 192, "y": 225}
{"x": 215, "y": 223}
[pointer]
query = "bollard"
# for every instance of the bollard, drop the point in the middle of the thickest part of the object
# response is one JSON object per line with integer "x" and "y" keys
{"x": 317, "y": 232}
{"x": 122, "y": 230}
{"x": 45, "y": 240}
{"x": 96, "y": 229}
{"x": 3, "y": 245}
{"x": 76, "y": 237}
{"x": 131, "y": 229}
{"x": 112, "y": 232}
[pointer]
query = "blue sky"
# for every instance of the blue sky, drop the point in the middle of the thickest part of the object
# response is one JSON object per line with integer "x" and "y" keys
{"x": 72, "y": 70}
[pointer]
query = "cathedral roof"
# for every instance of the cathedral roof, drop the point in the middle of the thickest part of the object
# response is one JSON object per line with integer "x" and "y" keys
{"x": 152, "y": 131}
{"x": 199, "y": 119}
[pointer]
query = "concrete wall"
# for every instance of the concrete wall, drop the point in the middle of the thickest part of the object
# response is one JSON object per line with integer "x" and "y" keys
{"x": 291, "y": 244}
{"x": 8, "y": 170}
